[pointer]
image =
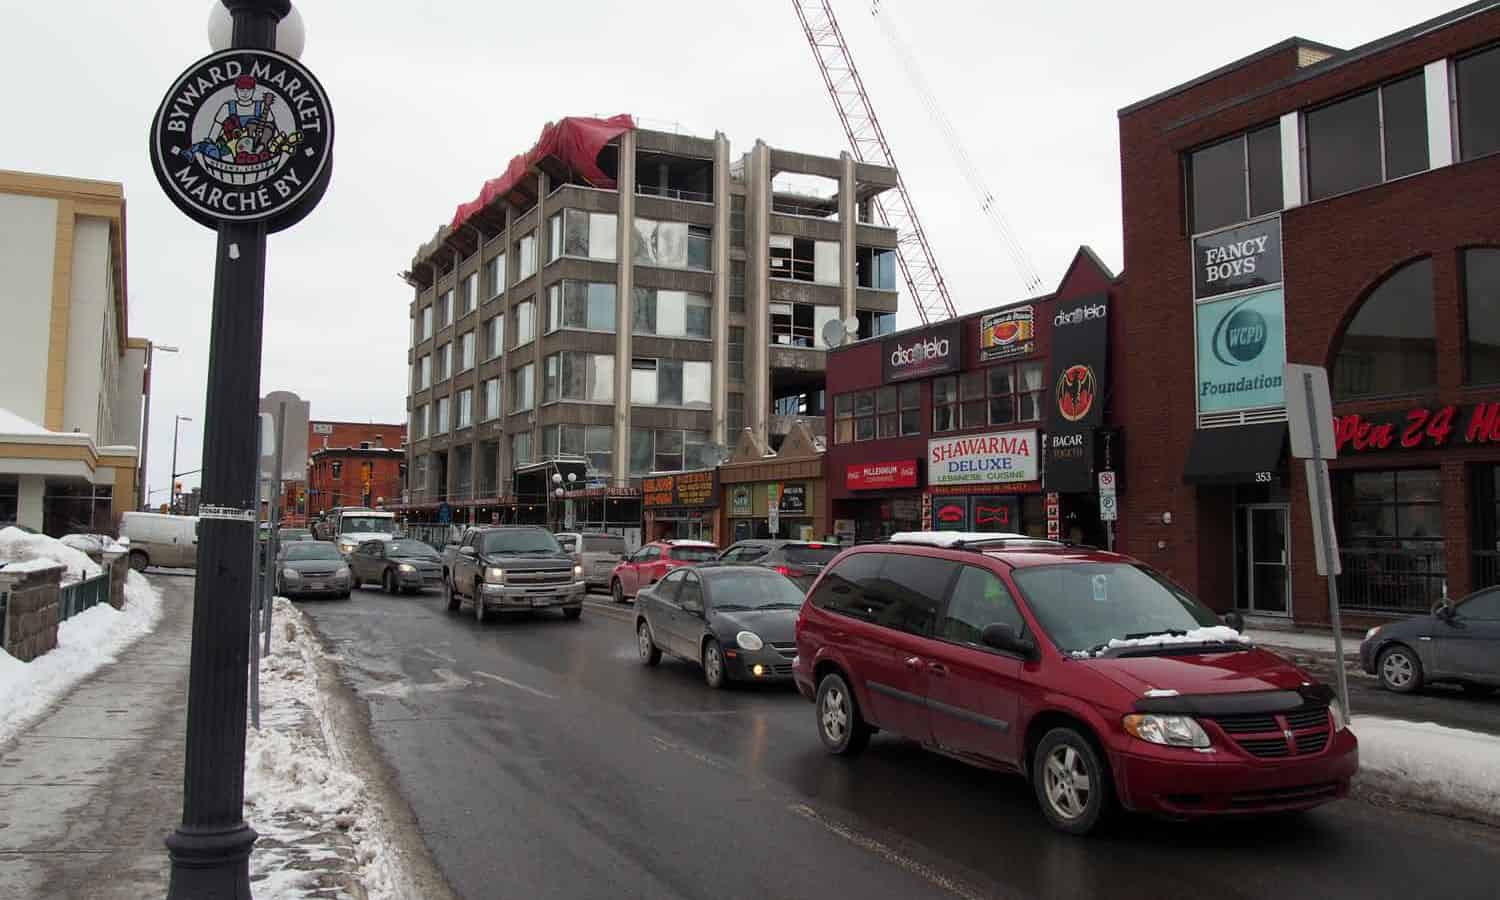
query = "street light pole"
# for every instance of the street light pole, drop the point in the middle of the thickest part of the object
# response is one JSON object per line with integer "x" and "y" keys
{"x": 143, "y": 501}
{"x": 210, "y": 849}
{"x": 172, "y": 485}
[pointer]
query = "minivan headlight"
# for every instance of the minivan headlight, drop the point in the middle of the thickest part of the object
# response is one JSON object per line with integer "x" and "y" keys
{"x": 749, "y": 640}
{"x": 1169, "y": 731}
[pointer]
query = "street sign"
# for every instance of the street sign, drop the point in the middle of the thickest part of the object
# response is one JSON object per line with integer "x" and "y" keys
{"x": 1107, "y": 483}
{"x": 1309, "y": 409}
{"x": 1109, "y": 508}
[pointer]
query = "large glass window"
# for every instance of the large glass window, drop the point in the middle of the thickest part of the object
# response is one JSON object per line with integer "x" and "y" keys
{"x": 443, "y": 362}
{"x": 588, "y": 377}
{"x": 526, "y": 253}
{"x": 999, "y": 395}
{"x": 804, "y": 259}
{"x": 419, "y": 422}
{"x": 875, "y": 268}
{"x": 586, "y": 305}
{"x": 1236, "y": 179}
{"x": 886, "y": 412}
{"x": 672, "y": 313}
{"x": 465, "y": 408}
{"x": 1477, "y": 78}
{"x": 424, "y": 372}
{"x": 445, "y": 308}
{"x": 1389, "y": 347}
{"x": 1482, "y": 300}
{"x": 668, "y": 450}
{"x": 594, "y": 442}
{"x": 736, "y": 353}
{"x": 521, "y": 449}
{"x": 494, "y": 278}
{"x": 466, "y": 351}
{"x": 736, "y": 285}
{"x": 1368, "y": 138}
{"x": 522, "y": 388}
{"x": 525, "y": 322}
{"x": 589, "y": 235}
{"x": 1391, "y": 537}
{"x": 425, "y": 330}
{"x": 491, "y": 408}
{"x": 494, "y": 337}
{"x": 800, "y": 324}
{"x": 672, "y": 245}
{"x": 874, "y": 324}
{"x": 554, "y": 236}
{"x": 468, "y": 291}
{"x": 440, "y": 416}
{"x": 671, "y": 382}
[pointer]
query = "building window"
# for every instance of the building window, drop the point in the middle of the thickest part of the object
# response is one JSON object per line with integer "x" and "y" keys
{"x": 737, "y": 285}
{"x": 737, "y": 221}
{"x": 875, "y": 268}
{"x": 1392, "y": 539}
{"x": 522, "y": 388}
{"x": 525, "y": 322}
{"x": 494, "y": 278}
{"x": 734, "y": 419}
{"x": 494, "y": 336}
{"x": 526, "y": 254}
{"x": 412, "y": 332}
{"x": 419, "y": 422}
{"x": 1482, "y": 299}
{"x": 590, "y": 235}
{"x": 1389, "y": 346}
{"x": 468, "y": 290}
{"x": 672, "y": 245}
{"x": 804, "y": 259}
{"x": 554, "y": 236}
{"x": 800, "y": 324}
{"x": 445, "y": 309}
{"x": 520, "y": 449}
{"x": 586, "y": 305}
{"x": 338, "y": 469}
{"x": 1014, "y": 392}
{"x": 466, "y": 351}
{"x": 670, "y": 382}
{"x": 593, "y": 442}
{"x": 736, "y": 353}
{"x": 443, "y": 364}
{"x": 874, "y": 324}
{"x": 440, "y": 410}
{"x": 1236, "y": 179}
{"x": 424, "y": 372}
{"x": 887, "y": 412}
{"x": 672, "y": 313}
{"x": 424, "y": 329}
{"x": 491, "y": 397}
{"x": 585, "y": 377}
{"x": 1368, "y": 138}
{"x": 465, "y": 408}
{"x": 1477, "y": 83}
{"x": 668, "y": 450}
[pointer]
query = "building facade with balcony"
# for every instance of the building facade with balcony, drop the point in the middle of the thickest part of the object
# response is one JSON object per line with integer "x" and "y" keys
{"x": 1329, "y": 207}
{"x": 622, "y": 302}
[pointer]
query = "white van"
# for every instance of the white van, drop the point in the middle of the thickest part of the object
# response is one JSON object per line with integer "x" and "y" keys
{"x": 157, "y": 539}
{"x": 355, "y": 526}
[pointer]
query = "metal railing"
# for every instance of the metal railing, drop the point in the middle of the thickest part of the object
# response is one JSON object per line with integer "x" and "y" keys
{"x": 1486, "y": 568}
{"x": 75, "y": 598}
{"x": 434, "y": 536}
{"x": 656, "y": 190}
{"x": 1392, "y": 580}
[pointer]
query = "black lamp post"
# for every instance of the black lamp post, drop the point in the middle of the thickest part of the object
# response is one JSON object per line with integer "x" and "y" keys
{"x": 242, "y": 143}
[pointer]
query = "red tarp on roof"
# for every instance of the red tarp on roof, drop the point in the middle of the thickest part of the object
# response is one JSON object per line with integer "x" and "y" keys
{"x": 576, "y": 140}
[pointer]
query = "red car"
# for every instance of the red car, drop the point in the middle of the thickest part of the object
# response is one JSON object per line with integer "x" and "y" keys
{"x": 1095, "y": 677}
{"x": 647, "y": 565}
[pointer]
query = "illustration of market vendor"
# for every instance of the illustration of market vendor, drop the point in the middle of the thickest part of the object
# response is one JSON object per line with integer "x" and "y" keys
{"x": 244, "y": 130}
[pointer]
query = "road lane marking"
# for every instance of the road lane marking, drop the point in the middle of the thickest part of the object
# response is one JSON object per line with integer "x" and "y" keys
{"x": 664, "y": 744}
{"x": 894, "y": 857}
{"x": 436, "y": 655}
{"x": 447, "y": 681}
{"x": 517, "y": 685}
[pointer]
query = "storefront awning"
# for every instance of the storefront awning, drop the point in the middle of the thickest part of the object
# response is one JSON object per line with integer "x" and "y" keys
{"x": 1235, "y": 455}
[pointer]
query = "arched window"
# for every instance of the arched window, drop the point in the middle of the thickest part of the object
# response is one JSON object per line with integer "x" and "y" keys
{"x": 1389, "y": 346}
{"x": 1482, "y": 298}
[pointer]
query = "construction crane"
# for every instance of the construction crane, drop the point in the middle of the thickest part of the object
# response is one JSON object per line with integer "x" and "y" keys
{"x": 919, "y": 268}
{"x": 924, "y": 281}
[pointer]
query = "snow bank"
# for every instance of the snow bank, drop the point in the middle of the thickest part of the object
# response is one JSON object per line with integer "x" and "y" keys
{"x": 17, "y": 546}
{"x": 85, "y": 642}
{"x": 299, "y": 786}
{"x": 1431, "y": 766}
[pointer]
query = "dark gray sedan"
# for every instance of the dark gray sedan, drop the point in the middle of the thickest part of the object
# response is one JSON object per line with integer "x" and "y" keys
{"x": 736, "y": 621}
{"x": 401, "y": 566}
{"x": 311, "y": 569}
{"x": 1458, "y": 643}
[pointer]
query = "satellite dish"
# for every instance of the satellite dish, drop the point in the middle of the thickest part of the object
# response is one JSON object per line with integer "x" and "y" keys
{"x": 834, "y": 333}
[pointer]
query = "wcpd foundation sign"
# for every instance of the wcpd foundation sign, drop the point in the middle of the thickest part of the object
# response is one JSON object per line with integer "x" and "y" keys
{"x": 244, "y": 136}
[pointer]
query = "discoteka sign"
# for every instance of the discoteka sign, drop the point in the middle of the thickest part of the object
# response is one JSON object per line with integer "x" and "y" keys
{"x": 1000, "y": 458}
{"x": 244, "y": 136}
{"x": 932, "y": 351}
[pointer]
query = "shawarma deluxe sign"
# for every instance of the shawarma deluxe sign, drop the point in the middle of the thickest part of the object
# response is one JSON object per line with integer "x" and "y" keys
{"x": 244, "y": 136}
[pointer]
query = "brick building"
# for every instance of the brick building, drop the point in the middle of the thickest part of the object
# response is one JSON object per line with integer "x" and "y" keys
{"x": 1331, "y": 207}
{"x": 362, "y": 475}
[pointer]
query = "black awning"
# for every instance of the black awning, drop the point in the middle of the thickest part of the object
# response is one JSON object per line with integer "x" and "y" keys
{"x": 1235, "y": 455}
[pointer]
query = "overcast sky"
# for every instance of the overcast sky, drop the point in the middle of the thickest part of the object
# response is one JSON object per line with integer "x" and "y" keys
{"x": 429, "y": 106}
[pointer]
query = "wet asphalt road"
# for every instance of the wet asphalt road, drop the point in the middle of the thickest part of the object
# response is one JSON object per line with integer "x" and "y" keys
{"x": 543, "y": 761}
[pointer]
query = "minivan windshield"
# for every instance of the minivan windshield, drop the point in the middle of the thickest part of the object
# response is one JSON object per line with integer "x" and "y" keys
{"x": 519, "y": 540}
{"x": 1083, "y": 606}
{"x": 367, "y": 525}
{"x": 299, "y": 550}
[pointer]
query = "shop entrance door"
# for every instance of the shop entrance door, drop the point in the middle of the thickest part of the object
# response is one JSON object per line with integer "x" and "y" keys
{"x": 1265, "y": 579}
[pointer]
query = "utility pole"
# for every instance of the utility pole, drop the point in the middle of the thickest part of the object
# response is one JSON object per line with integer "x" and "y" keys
{"x": 176, "y": 421}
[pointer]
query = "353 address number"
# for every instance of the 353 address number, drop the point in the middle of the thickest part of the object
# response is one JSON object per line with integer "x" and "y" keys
{"x": 1263, "y": 477}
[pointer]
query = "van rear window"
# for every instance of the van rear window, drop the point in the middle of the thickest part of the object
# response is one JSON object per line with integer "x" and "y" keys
{"x": 604, "y": 544}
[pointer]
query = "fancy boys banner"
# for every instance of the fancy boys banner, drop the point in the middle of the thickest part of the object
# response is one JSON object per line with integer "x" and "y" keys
{"x": 1237, "y": 259}
{"x": 244, "y": 136}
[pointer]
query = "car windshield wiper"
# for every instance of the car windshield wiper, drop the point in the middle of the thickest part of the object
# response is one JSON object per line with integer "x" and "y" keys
{"x": 1171, "y": 632}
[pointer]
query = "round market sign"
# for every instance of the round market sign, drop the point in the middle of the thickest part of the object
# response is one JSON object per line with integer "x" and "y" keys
{"x": 244, "y": 136}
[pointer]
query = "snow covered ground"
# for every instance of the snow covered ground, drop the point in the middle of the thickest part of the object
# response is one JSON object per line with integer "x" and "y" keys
{"x": 84, "y": 643}
{"x": 312, "y": 810}
{"x": 1431, "y": 766}
{"x": 17, "y": 546}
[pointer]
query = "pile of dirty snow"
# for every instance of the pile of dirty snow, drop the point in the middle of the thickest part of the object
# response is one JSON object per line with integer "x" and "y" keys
{"x": 17, "y": 546}
{"x": 1422, "y": 764}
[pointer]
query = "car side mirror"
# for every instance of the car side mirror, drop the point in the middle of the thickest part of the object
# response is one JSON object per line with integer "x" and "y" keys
{"x": 1002, "y": 636}
{"x": 467, "y": 551}
{"x": 1234, "y": 620}
{"x": 1444, "y": 611}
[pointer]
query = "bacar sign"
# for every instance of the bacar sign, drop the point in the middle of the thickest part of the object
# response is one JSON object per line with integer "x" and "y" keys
{"x": 244, "y": 136}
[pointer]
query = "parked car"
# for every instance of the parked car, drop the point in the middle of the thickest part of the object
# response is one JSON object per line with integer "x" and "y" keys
{"x": 801, "y": 561}
{"x": 1459, "y": 643}
{"x": 401, "y": 566}
{"x": 512, "y": 568}
{"x": 647, "y": 565}
{"x": 1091, "y": 674}
{"x": 312, "y": 569}
{"x": 157, "y": 539}
{"x": 597, "y": 552}
{"x": 736, "y": 621}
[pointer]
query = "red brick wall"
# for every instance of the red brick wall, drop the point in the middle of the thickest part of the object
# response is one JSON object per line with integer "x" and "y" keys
{"x": 350, "y": 434}
{"x": 326, "y": 491}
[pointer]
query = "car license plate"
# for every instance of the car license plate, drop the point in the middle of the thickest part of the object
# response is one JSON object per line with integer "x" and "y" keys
{"x": 541, "y": 601}
{"x": 315, "y": 585}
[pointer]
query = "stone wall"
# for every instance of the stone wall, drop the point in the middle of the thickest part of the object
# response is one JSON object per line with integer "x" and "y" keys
{"x": 118, "y": 566}
{"x": 32, "y": 610}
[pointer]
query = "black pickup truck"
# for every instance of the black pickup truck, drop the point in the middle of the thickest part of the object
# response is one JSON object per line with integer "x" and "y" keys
{"x": 512, "y": 568}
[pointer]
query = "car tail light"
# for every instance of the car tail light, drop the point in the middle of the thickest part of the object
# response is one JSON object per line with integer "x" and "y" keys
{"x": 815, "y": 546}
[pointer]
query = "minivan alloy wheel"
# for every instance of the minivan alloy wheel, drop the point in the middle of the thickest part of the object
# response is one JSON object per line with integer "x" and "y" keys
{"x": 1068, "y": 782}
{"x": 834, "y": 714}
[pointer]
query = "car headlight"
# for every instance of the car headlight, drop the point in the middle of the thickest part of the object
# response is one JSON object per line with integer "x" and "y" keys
{"x": 749, "y": 640}
{"x": 578, "y": 571}
{"x": 291, "y": 574}
{"x": 341, "y": 572}
{"x": 346, "y": 548}
{"x": 1340, "y": 722}
{"x": 1370, "y": 635}
{"x": 407, "y": 568}
{"x": 1169, "y": 731}
{"x": 494, "y": 575}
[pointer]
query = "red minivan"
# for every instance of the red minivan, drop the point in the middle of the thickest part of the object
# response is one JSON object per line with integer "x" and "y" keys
{"x": 1089, "y": 673}
{"x": 647, "y": 565}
